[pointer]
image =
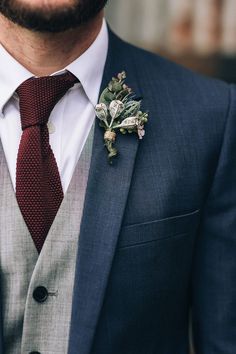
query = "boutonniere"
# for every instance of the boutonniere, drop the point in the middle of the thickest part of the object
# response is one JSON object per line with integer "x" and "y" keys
{"x": 118, "y": 111}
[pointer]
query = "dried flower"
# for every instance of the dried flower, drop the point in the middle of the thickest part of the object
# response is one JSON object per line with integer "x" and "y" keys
{"x": 117, "y": 110}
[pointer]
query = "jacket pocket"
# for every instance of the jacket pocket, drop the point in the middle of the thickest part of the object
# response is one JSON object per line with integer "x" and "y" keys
{"x": 155, "y": 230}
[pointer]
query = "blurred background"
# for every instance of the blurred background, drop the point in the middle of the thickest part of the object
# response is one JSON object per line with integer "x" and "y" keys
{"x": 199, "y": 34}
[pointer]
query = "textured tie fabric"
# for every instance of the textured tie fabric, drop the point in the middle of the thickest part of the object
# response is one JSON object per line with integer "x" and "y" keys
{"x": 38, "y": 186}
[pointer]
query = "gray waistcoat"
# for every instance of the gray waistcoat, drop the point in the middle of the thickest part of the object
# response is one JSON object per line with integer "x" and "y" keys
{"x": 27, "y": 324}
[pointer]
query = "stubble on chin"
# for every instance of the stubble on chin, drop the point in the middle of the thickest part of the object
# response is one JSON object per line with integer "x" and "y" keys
{"x": 51, "y": 16}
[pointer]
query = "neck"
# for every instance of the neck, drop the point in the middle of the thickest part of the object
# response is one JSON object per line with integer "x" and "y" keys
{"x": 36, "y": 51}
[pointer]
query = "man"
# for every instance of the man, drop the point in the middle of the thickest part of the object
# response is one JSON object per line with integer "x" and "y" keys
{"x": 155, "y": 231}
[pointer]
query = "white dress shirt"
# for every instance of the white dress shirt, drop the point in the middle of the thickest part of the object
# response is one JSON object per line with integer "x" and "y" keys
{"x": 72, "y": 117}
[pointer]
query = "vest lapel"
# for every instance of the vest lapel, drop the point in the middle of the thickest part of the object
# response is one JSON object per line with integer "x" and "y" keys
{"x": 105, "y": 201}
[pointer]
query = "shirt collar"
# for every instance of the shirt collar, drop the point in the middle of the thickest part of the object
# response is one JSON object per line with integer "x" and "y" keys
{"x": 87, "y": 68}
{"x": 12, "y": 74}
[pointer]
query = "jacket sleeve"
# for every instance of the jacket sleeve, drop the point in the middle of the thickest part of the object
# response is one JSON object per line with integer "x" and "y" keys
{"x": 214, "y": 269}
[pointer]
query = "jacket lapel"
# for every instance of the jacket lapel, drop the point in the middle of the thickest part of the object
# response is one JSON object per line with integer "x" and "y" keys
{"x": 105, "y": 201}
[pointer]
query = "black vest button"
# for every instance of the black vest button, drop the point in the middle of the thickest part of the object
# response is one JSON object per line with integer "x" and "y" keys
{"x": 40, "y": 294}
{"x": 34, "y": 353}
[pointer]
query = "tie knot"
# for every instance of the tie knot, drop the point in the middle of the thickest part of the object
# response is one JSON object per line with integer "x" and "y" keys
{"x": 38, "y": 96}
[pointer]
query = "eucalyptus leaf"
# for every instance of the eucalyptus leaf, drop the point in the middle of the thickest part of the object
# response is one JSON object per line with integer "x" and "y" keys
{"x": 116, "y": 108}
{"x": 128, "y": 123}
{"x": 101, "y": 111}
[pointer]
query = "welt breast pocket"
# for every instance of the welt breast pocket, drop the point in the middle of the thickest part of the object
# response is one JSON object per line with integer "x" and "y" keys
{"x": 158, "y": 230}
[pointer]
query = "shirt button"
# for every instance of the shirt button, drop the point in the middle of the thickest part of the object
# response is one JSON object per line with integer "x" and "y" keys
{"x": 40, "y": 294}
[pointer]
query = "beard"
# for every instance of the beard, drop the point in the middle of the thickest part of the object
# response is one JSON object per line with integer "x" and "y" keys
{"x": 52, "y": 20}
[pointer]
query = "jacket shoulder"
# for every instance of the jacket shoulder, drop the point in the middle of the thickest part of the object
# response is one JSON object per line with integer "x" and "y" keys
{"x": 155, "y": 67}
{"x": 177, "y": 94}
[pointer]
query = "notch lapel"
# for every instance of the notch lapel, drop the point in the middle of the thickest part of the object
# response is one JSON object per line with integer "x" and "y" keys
{"x": 105, "y": 201}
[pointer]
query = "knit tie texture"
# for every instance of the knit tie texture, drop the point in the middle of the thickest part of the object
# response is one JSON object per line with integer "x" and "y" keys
{"x": 38, "y": 186}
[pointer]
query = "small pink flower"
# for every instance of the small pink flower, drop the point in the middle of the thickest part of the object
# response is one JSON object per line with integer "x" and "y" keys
{"x": 141, "y": 131}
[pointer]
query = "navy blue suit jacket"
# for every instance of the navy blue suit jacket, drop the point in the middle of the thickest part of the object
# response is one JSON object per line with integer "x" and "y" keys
{"x": 158, "y": 234}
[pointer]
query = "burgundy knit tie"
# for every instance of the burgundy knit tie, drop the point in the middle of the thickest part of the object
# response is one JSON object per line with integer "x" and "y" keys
{"x": 38, "y": 186}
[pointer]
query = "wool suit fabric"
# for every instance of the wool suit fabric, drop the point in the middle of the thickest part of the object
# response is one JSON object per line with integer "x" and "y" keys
{"x": 157, "y": 236}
